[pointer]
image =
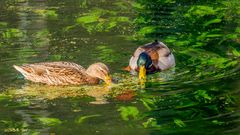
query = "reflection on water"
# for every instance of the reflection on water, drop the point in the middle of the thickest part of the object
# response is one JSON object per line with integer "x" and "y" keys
{"x": 201, "y": 92}
{"x": 99, "y": 92}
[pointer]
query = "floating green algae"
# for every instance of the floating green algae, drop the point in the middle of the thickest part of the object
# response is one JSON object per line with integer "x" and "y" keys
{"x": 100, "y": 92}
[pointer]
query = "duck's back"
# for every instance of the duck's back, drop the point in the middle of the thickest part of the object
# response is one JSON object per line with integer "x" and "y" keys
{"x": 61, "y": 64}
{"x": 55, "y": 73}
{"x": 160, "y": 54}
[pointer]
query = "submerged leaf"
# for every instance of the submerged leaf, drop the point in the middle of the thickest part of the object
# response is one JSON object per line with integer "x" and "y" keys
{"x": 49, "y": 121}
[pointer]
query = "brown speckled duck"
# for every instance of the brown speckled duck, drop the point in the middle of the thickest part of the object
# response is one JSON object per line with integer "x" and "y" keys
{"x": 151, "y": 58}
{"x": 64, "y": 73}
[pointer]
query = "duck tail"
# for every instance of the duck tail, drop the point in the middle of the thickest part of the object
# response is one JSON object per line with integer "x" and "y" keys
{"x": 128, "y": 68}
{"x": 21, "y": 70}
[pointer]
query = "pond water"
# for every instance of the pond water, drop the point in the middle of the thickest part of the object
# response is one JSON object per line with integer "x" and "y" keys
{"x": 199, "y": 96}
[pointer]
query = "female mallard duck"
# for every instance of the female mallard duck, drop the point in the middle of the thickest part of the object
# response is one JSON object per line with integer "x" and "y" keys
{"x": 150, "y": 58}
{"x": 64, "y": 73}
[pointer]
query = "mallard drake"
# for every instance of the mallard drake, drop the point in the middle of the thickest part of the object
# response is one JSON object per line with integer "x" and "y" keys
{"x": 151, "y": 58}
{"x": 64, "y": 73}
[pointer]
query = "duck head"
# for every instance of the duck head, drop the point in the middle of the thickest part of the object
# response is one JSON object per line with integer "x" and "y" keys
{"x": 101, "y": 71}
{"x": 144, "y": 62}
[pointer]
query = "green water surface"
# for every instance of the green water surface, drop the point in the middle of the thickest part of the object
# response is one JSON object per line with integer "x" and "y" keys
{"x": 200, "y": 96}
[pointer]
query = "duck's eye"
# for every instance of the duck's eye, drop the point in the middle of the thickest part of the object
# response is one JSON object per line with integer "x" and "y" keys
{"x": 101, "y": 71}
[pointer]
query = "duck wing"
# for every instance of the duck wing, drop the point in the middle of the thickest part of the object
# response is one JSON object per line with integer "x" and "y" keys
{"x": 164, "y": 57}
{"x": 54, "y": 73}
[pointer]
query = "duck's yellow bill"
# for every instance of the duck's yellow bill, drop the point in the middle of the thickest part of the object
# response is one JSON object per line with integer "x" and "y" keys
{"x": 142, "y": 75}
{"x": 108, "y": 80}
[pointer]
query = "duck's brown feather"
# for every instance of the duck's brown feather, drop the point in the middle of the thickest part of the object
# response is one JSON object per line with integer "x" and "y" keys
{"x": 56, "y": 73}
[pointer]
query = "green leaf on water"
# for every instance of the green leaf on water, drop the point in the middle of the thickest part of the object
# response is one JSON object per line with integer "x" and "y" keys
{"x": 51, "y": 14}
{"x": 137, "y": 5}
{"x": 120, "y": 19}
{"x": 216, "y": 122}
{"x": 12, "y": 33}
{"x": 232, "y": 63}
{"x": 235, "y": 52}
{"x": 67, "y": 28}
{"x": 87, "y": 19}
{"x": 151, "y": 123}
{"x": 148, "y": 103}
{"x": 202, "y": 94}
{"x": 214, "y": 35}
{"x": 146, "y": 30}
{"x": 200, "y": 11}
{"x": 111, "y": 25}
{"x": 171, "y": 39}
{"x": 47, "y": 13}
{"x": 128, "y": 111}
{"x": 49, "y": 121}
{"x": 231, "y": 36}
{"x": 179, "y": 123}
{"x": 84, "y": 118}
{"x": 212, "y": 22}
